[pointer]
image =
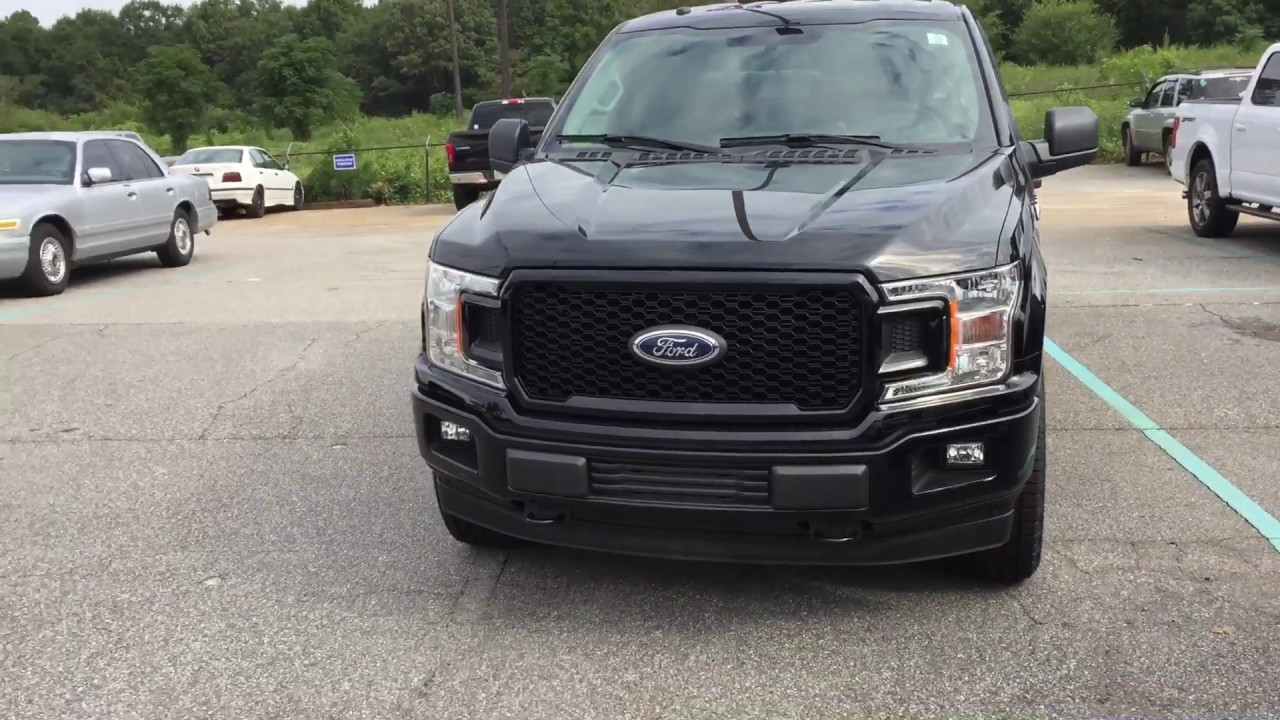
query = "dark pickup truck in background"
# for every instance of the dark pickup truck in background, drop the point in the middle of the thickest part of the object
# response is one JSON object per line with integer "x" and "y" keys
{"x": 468, "y": 150}
{"x": 740, "y": 303}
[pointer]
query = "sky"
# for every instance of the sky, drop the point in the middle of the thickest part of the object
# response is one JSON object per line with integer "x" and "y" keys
{"x": 48, "y": 11}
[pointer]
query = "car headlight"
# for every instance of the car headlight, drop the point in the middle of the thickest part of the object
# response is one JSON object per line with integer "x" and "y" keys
{"x": 979, "y": 345}
{"x": 9, "y": 224}
{"x": 444, "y": 326}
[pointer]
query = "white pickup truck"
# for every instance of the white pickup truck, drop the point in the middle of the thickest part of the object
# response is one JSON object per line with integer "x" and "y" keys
{"x": 1227, "y": 153}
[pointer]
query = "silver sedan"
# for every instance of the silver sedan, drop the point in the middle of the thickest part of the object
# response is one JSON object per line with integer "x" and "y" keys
{"x": 68, "y": 199}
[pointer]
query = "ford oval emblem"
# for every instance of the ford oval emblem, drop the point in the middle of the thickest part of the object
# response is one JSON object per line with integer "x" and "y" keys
{"x": 678, "y": 346}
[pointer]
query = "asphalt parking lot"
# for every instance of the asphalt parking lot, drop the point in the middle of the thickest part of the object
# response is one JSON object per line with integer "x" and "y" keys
{"x": 212, "y": 505}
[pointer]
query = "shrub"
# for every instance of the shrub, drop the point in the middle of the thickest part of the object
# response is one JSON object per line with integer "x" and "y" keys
{"x": 1064, "y": 32}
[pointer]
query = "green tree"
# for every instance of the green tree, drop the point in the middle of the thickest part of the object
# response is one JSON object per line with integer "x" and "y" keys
{"x": 81, "y": 64}
{"x": 1064, "y": 32}
{"x": 231, "y": 36}
{"x": 177, "y": 91}
{"x": 145, "y": 23}
{"x": 298, "y": 84}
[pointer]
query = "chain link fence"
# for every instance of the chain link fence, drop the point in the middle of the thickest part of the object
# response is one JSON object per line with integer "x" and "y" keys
{"x": 385, "y": 174}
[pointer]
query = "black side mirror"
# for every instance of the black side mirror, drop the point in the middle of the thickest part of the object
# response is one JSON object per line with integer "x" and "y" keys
{"x": 1070, "y": 141}
{"x": 1137, "y": 103}
{"x": 508, "y": 140}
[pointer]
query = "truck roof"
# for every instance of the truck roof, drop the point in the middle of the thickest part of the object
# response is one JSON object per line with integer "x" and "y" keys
{"x": 796, "y": 12}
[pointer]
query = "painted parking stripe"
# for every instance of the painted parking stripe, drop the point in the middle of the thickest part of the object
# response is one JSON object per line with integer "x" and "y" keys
{"x": 1253, "y": 513}
{"x": 1168, "y": 291}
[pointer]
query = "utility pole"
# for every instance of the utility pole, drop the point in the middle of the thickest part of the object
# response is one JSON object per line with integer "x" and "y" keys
{"x": 504, "y": 49}
{"x": 457, "y": 65}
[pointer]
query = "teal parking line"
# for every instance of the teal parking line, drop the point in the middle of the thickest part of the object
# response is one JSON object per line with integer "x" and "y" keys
{"x": 1235, "y": 498}
{"x": 1168, "y": 291}
{"x": 48, "y": 305}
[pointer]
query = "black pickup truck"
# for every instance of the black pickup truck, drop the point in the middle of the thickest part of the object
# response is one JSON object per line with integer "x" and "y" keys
{"x": 468, "y": 150}
{"x": 741, "y": 303}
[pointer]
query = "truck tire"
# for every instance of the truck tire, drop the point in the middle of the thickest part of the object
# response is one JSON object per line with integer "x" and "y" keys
{"x": 469, "y": 533}
{"x": 1132, "y": 155}
{"x": 1206, "y": 210}
{"x": 1019, "y": 558}
{"x": 464, "y": 195}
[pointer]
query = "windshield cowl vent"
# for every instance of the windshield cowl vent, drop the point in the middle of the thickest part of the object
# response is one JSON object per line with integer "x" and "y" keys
{"x": 805, "y": 155}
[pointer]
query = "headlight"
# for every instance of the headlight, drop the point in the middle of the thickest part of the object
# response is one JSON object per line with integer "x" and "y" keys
{"x": 980, "y": 317}
{"x": 9, "y": 224}
{"x": 444, "y": 334}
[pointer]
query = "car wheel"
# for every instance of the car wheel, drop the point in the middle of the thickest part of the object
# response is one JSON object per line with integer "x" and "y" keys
{"x": 464, "y": 196}
{"x": 1132, "y": 155}
{"x": 48, "y": 262}
{"x": 1019, "y": 558}
{"x": 299, "y": 197}
{"x": 181, "y": 245}
{"x": 1206, "y": 209}
{"x": 469, "y": 533}
{"x": 258, "y": 205}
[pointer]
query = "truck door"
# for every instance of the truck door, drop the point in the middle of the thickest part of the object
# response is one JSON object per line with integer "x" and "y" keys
{"x": 1255, "y": 139}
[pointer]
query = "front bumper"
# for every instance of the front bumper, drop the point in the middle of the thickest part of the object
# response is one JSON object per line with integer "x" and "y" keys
{"x": 872, "y": 494}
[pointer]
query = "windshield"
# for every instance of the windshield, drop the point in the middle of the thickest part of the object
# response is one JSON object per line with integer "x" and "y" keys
{"x": 536, "y": 114}
{"x": 906, "y": 81}
{"x": 37, "y": 162}
{"x": 1218, "y": 88}
{"x": 210, "y": 155}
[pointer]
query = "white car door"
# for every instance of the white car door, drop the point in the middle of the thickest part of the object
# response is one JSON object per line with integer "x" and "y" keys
{"x": 267, "y": 170}
{"x": 286, "y": 180}
{"x": 1255, "y": 140}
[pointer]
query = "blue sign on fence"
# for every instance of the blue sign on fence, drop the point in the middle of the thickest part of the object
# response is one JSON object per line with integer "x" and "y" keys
{"x": 344, "y": 162}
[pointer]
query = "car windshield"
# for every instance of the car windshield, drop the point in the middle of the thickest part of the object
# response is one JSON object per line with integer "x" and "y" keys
{"x": 536, "y": 114}
{"x": 210, "y": 155}
{"x": 37, "y": 162}
{"x": 905, "y": 81}
{"x": 1218, "y": 88}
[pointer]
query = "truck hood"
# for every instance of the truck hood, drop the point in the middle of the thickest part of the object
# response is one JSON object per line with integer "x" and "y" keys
{"x": 890, "y": 216}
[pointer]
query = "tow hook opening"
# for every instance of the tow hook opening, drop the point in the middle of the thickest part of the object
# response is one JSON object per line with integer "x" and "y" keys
{"x": 834, "y": 532}
{"x": 541, "y": 515}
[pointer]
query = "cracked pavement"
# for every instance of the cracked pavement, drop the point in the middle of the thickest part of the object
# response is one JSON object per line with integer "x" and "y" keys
{"x": 212, "y": 505}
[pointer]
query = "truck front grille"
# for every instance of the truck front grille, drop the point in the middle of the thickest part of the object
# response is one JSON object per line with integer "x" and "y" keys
{"x": 800, "y": 345}
{"x": 680, "y": 485}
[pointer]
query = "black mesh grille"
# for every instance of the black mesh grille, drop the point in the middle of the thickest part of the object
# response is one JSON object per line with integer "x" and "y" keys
{"x": 684, "y": 485}
{"x": 904, "y": 334}
{"x": 797, "y": 346}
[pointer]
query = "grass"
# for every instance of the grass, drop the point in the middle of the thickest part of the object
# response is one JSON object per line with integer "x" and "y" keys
{"x": 398, "y": 172}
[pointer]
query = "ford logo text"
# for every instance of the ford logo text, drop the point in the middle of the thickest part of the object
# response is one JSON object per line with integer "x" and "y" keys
{"x": 678, "y": 346}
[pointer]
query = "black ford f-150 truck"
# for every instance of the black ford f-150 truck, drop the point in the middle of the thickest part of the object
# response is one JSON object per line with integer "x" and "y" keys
{"x": 768, "y": 289}
{"x": 467, "y": 151}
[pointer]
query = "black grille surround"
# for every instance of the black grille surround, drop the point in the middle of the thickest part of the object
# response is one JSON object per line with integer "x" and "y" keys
{"x": 798, "y": 344}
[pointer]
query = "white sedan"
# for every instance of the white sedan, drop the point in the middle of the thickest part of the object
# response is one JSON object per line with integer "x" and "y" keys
{"x": 243, "y": 177}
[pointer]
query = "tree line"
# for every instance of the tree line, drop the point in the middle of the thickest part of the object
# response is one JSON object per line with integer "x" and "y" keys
{"x": 284, "y": 66}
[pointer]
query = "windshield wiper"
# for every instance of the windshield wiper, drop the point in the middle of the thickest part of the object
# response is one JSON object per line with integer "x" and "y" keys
{"x": 636, "y": 142}
{"x": 803, "y": 140}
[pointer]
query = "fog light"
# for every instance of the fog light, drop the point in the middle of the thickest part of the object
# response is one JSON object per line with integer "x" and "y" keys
{"x": 965, "y": 454}
{"x": 457, "y": 433}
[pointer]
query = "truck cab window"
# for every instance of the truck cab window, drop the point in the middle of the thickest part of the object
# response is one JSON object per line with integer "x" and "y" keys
{"x": 1267, "y": 90}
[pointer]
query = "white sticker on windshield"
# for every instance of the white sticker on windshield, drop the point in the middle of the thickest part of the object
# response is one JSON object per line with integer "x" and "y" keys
{"x": 937, "y": 39}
